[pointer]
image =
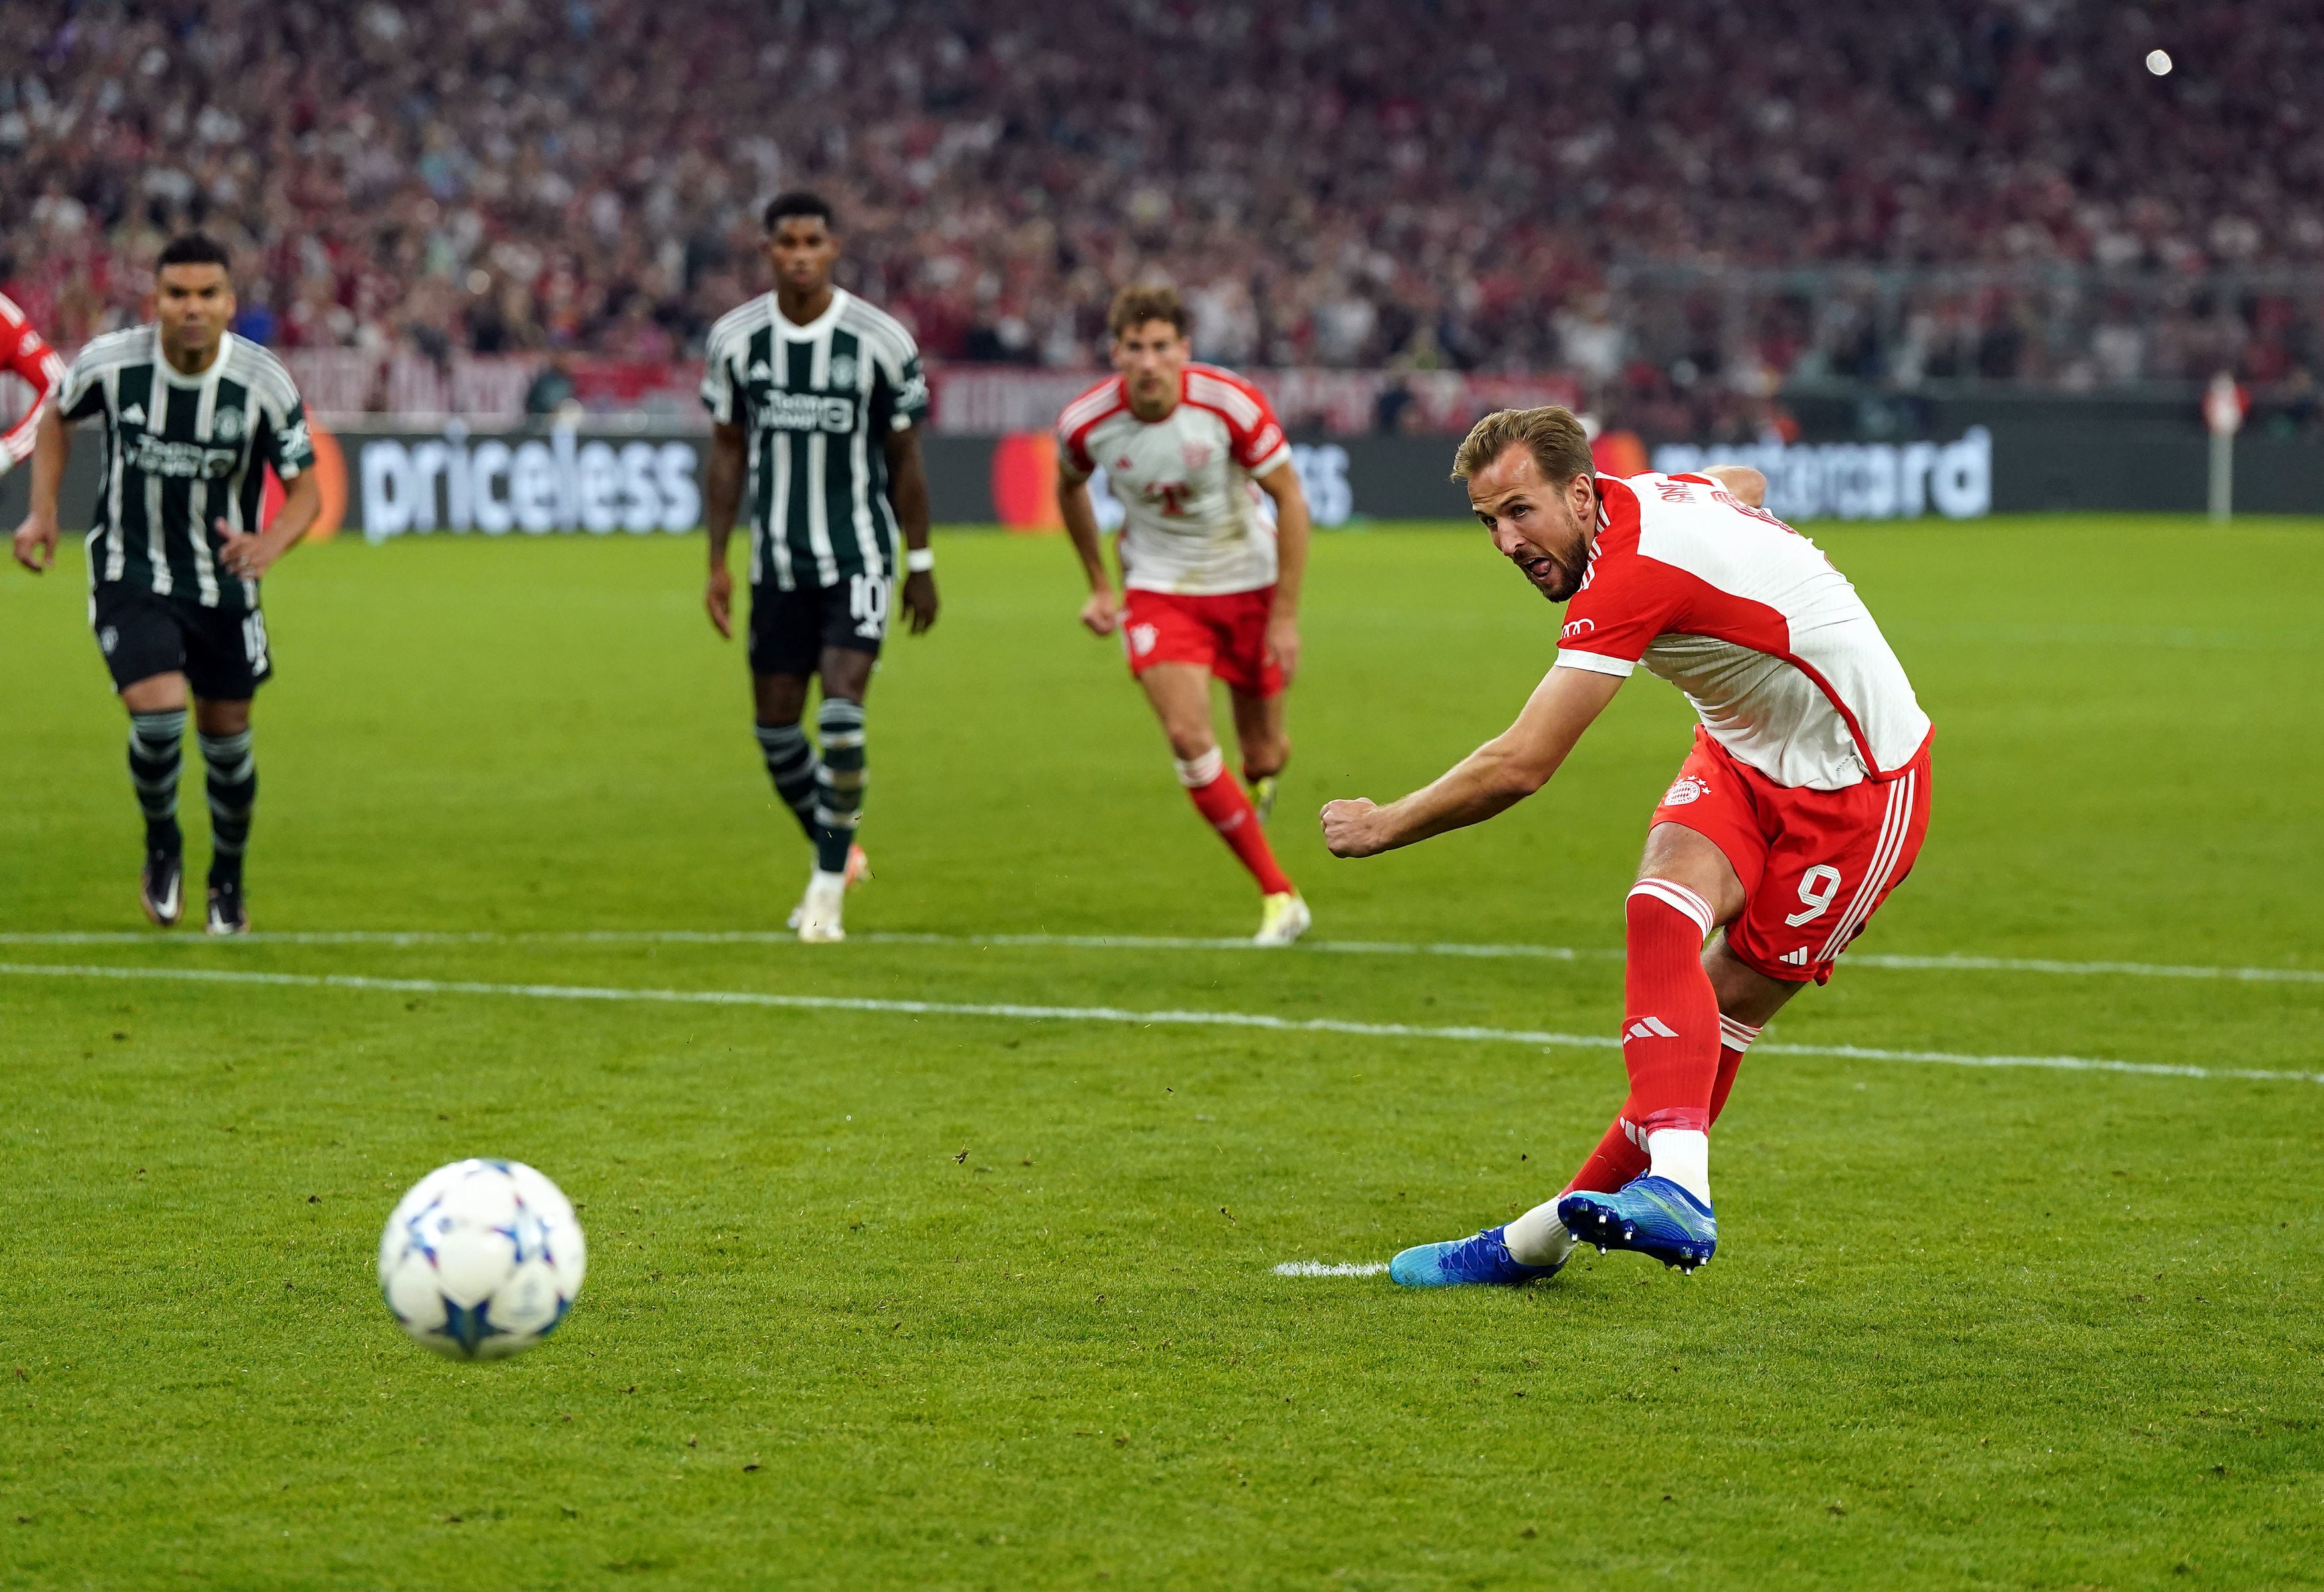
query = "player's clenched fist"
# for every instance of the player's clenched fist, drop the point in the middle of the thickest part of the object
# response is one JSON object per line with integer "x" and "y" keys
{"x": 1102, "y": 612}
{"x": 1348, "y": 829}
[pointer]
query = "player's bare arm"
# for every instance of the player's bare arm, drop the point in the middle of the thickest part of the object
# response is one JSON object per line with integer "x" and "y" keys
{"x": 1291, "y": 537}
{"x": 722, "y": 494}
{"x": 1490, "y": 781}
{"x": 1102, "y": 613}
{"x": 1742, "y": 482}
{"x": 908, "y": 490}
{"x": 35, "y": 542}
{"x": 251, "y": 554}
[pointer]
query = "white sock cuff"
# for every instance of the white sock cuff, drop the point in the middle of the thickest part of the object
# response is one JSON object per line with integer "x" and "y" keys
{"x": 1684, "y": 1156}
{"x": 1736, "y": 1036}
{"x": 1680, "y": 898}
{"x": 1538, "y": 1238}
{"x": 1209, "y": 767}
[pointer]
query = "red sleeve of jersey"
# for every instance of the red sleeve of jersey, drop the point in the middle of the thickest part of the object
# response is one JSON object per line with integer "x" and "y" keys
{"x": 23, "y": 353}
{"x": 1255, "y": 437}
{"x": 1626, "y": 599}
{"x": 1079, "y": 419}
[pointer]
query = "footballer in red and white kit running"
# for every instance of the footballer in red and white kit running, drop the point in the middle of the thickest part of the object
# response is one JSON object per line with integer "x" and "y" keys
{"x": 1801, "y": 805}
{"x": 24, "y": 355}
{"x": 1212, "y": 548}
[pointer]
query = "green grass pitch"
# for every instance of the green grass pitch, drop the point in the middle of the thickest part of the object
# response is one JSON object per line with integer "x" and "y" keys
{"x": 888, "y": 1298}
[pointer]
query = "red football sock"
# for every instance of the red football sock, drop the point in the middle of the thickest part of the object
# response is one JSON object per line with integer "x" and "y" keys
{"x": 1620, "y": 1158}
{"x": 1670, "y": 1022}
{"x": 1734, "y": 1039}
{"x": 1621, "y": 1155}
{"x": 1222, "y": 801}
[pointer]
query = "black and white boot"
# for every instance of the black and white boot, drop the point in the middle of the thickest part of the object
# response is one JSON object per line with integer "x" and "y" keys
{"x": 162, "y": 883}
{"x": 227, "y": 914}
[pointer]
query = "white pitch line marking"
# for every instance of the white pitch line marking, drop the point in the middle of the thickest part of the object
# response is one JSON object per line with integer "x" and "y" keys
{"x": 1323, "y": 1268}
{"x": 1553, "y": 953}
{"x": 740, "y": 997}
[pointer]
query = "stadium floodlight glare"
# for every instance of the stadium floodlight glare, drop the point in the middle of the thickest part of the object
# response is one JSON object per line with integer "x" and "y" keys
{"x": 2158, "y": 61}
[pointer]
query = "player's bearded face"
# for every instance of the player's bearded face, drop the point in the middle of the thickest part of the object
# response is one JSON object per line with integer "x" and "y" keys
{"x": 1545, "y": 531}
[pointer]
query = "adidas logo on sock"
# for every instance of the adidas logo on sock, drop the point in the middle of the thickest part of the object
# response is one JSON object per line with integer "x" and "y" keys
{"x": 1650, "y": 1028}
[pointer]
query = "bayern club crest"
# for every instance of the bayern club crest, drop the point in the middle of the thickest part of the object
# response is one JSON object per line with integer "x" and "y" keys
{"x": 1686, "y": 788}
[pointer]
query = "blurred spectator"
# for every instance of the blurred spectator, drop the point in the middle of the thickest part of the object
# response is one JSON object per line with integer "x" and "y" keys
{"x": 1335, "y": 182}
{"x": 552, "y": 391}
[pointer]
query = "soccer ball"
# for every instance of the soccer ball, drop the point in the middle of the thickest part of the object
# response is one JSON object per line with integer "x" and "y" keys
{"x": 482, "y": 1259}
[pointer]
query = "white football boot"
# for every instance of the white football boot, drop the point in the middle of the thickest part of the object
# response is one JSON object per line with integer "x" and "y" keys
{"x": 819, "y": 912}
{"x": 1283, "y": 918}
{"x": 859, "y": 871}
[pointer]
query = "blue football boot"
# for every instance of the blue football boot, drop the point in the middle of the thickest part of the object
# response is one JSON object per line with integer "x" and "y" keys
{"x": 1484, "y": 1258}
{"x": 1650, "y": 1215}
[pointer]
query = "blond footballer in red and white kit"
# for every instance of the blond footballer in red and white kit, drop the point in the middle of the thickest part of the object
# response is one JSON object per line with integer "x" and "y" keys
{"x": 1801, "y": 805}
{"x": 1209, "y": 579}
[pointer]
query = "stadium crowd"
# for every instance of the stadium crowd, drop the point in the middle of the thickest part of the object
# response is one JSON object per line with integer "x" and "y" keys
{"x": 1641, "y": 192}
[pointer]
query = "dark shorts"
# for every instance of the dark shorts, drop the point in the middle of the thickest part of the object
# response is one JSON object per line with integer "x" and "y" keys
{"x": 222, "y": 653}
{"x": 790, "y": 630}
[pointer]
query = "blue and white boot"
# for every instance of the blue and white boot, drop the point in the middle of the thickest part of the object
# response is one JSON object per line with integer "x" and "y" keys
{"x": 1650, "y": 1215}
{"x": 1484, "y": 1258}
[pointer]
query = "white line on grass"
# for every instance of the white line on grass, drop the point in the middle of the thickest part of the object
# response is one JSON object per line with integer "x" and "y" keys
{"x": 1375, "y": 947}
{"x": 737, "y": 997}
{"x": 1320, "y": 1269}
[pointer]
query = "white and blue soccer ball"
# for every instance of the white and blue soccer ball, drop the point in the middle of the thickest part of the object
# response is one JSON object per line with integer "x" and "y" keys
{"x": 482, "y": 1259}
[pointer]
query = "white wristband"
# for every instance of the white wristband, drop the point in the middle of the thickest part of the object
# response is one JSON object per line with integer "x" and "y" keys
{"x": 920, "y": 560}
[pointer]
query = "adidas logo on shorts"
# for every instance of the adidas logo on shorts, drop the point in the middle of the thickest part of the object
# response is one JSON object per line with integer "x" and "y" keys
{"x": 1797, "y": 958}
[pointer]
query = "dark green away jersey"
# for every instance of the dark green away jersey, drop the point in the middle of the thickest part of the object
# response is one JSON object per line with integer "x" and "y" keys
{"x": 816, "y": 402}
{"x": 181, "y": 453}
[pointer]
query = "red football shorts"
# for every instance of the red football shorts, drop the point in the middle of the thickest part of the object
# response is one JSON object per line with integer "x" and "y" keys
{"x": 1815, "y": 865}
{"x": 1226, "y": 634}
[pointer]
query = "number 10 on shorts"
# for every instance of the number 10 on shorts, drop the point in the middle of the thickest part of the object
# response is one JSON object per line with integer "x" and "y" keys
{"x": 867, "y": 605}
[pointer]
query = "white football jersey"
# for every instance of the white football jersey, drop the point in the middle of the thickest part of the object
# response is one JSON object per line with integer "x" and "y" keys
{"x": 1193, "y": 520}
{"x": 1783, "y": 661}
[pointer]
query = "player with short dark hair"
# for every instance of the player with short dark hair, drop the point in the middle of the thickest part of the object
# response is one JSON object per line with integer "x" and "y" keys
{"x": 815, "y": 399}
{"x": 1211, "y": 583}
{"x": 1801, "y": 806}
{"x": 194, "y": 416}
